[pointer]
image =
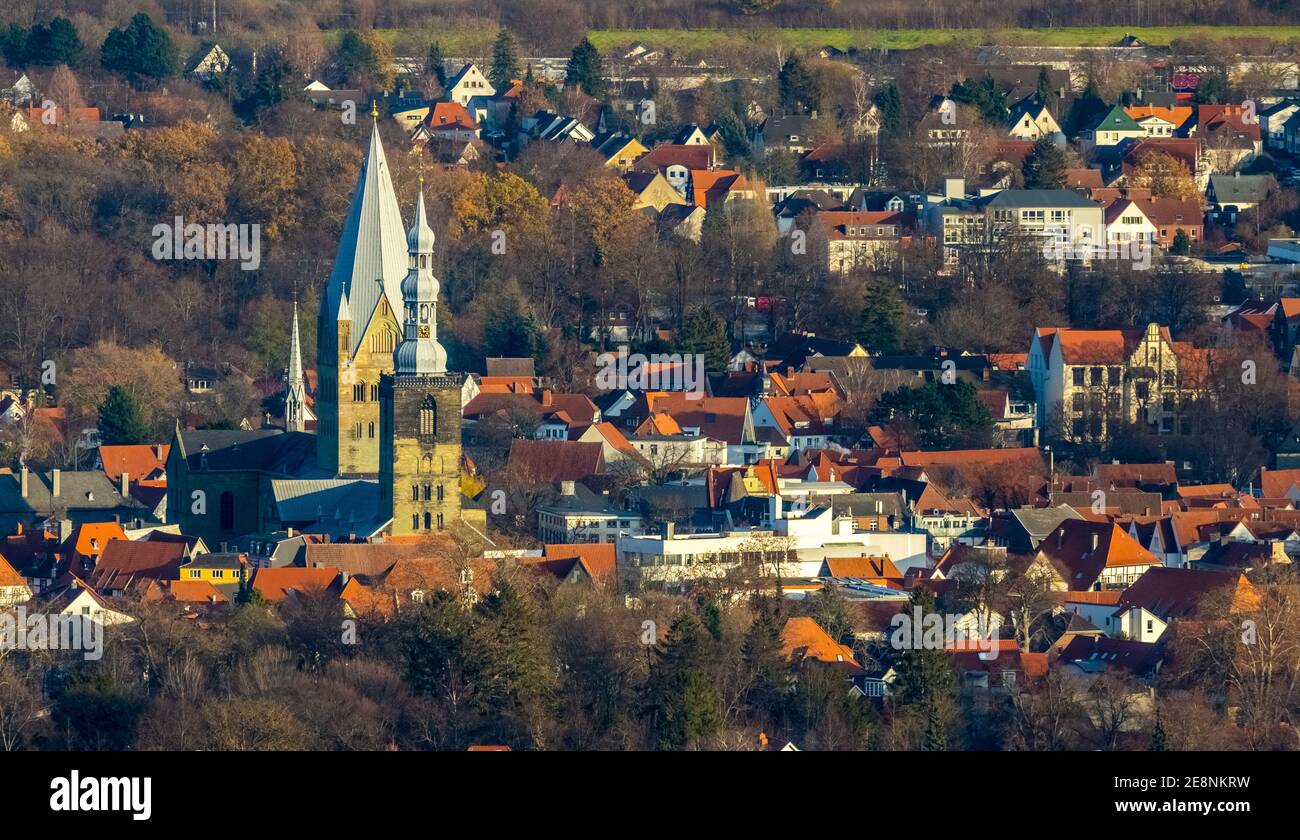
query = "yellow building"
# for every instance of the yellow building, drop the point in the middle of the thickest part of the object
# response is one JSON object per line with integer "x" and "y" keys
{"x": 221, "y": 569}
{"x": 358, "y": 328}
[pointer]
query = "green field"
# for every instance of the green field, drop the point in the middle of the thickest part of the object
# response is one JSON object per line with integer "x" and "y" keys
{"x": 477, "y": 39}
{"x": 902, "y": 39}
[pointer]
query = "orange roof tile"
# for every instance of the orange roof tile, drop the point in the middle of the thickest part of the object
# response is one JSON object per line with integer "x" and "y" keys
{"x": 9, "y": 575}
{"x": 90, "y": 538}
{"x": 139, "y": 461}
{"x": 803, "y": 638}
{"x": 275, "y": 584}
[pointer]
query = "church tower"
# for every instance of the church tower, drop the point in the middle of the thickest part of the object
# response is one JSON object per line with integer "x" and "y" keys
{"x": 358, "y": 327}
{"x": 419, "y": 405}
{"x": 295, "y": 397}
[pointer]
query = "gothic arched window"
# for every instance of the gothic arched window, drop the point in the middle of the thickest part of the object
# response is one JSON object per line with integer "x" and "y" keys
{"x": 428, "y": 417}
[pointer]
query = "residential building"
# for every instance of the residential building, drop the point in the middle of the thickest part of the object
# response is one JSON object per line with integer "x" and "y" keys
{"x": 1088, "y": 381}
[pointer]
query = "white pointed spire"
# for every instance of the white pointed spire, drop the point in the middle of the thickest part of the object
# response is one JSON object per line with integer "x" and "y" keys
{"x": 371, "y": 259}
{"x": 420, "y": 352}
{"x": 295, "y": 398}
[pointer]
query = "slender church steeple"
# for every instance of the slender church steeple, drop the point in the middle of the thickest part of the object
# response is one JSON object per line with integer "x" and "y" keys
{"x": 420, "y": 352}
{"x": 295, "y": 398}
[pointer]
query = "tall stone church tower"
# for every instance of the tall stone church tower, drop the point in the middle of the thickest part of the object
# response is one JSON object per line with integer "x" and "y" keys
{"x": 295, "y": 397}
{"x": 419, "y": 406}
{"x": 358, "y": 327}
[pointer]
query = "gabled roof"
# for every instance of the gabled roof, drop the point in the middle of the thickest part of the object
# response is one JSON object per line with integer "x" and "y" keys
{"x": 1114, "y": 346}
{"x": 272, "y": 451}
{"x": 511, "y": 366}
{"x": 1070, "y": 548}
{"x": 277, "y": 584}
{"x": 1275, "y": 484}
{"x": 778, "y": 129}
{"x": 714, "y": 184}
{"x": 1186, "y": 151}
{"x": 451, "y": 115}
{"x": 803, "y": 639}
{"x": 79, "y": 490}
{"x": 547, "y": 461}
{"x": 1117, "y": 120}
{"x": 123, "y": 562}
{"x": 865, "y": 568}
{"x": 465, "y": 70}
{"x": 595, "y": 560}
{"x": 839, "y": 224}
{"x": 1179, "y": 116}
{"x": 807, "y": 414}
{"x": 375, "y": 558}
{"x": 185, "y": 592}
{"x": 1039, "y": 522}
{"x": 1235, "y": 189}
{"x": 9, "y": 575}
{"x": 794, "y": 348}
{"x": 1039, "y": 198}
{"x": 90, "y": 538}
{"x": 1226, "y": 119}
{"x": 719, "y": 418}
{"x": 1083, "y": 179}
{"x": 1115, "y": 476}
{"x": 658, "y": 424}
{"x": 664, "y": 155}
{"x": 138, "y": 461}
{"x": 1171, "y": 593}
{"x": 1108, "y": 653}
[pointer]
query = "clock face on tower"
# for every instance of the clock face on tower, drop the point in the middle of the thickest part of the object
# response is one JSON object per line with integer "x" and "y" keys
{"x": 424, "y": 331}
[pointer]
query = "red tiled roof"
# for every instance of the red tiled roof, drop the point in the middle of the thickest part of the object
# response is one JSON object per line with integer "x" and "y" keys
{"x": 803, "y": 638}
{"x": 125, "y": 561}
{"x": 1083, "y": 179}
{"x": 9, "y": 575}
{"x": 275, "y": 584}
{"x": 548, "y": 461}
{"x": 1180, "y": 593}
{"x": 866, "y": 568}
{"x": 139, "y": 461}
{"x": 1070, "y": 548}
{"x": 453, "y": 115}
{"x": 664, "y": 155}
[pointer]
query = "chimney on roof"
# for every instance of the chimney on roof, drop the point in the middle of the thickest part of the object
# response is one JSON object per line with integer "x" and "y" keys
{"x": 566, "y": 488}
{"x": 22, "y": 482}
{"x": 1060, "y": 537}
{"x": 54, "y": 483}
{"x": 126, "y": 484}
{"x": 223, "y": 547}
{"x": 289, "y": 531}
{"x": 157, "y": 451}
{"x": 1095, "y": 538}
